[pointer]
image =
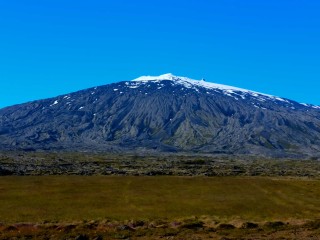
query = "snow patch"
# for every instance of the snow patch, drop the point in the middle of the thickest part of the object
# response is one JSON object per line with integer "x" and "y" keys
{"x": 310, "y": 105}
{"x": 55, "y": 103}
{"x": 281, "y": 99}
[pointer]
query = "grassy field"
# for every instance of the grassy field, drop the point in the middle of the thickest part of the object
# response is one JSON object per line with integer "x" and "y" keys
{"x": 78, "y": 198}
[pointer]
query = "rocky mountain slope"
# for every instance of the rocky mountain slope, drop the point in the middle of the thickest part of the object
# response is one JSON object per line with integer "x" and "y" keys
{"x": 164, "y": 114}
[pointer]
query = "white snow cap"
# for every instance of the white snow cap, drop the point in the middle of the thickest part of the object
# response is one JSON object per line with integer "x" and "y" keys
{"x": 194, "y": 84}
{"x": 187, "y": 82}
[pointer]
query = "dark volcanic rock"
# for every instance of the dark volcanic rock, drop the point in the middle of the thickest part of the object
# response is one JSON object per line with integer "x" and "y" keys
{"x": 5, "y": 172}
{"x": 169, "y": 114}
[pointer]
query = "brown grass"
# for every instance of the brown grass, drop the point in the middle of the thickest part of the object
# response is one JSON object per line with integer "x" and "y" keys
{"x": 78, "y": 198}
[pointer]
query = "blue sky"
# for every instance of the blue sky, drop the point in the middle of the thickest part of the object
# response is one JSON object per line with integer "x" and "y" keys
{"x": 52, "y": 47}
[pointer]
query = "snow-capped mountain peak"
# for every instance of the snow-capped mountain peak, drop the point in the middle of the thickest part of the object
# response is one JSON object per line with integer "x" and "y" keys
{"x": 191, "y": 83}
{"x": 167, "y": 76}
{"x": 164, "y": 113}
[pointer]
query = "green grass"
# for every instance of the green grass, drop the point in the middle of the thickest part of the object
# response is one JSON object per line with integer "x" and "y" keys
{"x": 78, "y": 198}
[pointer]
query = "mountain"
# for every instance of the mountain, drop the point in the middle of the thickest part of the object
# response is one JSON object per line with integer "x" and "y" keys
{"x": 164, "y": 113}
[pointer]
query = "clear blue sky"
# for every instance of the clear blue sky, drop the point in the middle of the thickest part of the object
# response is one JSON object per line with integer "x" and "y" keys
{"x": 51, "y": 47}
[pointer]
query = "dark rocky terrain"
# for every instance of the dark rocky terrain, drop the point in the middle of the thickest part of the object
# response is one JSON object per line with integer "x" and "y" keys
{"x": 166, "y": 114}
{"x": 36, "y": 164}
